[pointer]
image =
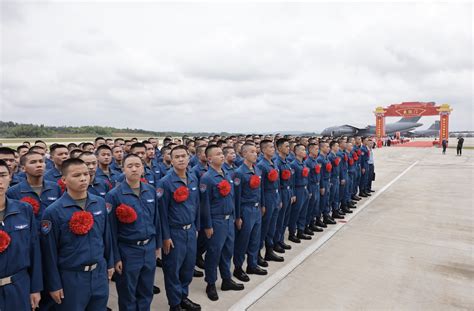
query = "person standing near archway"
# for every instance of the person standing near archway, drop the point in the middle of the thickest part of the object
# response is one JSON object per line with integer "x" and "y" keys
{"x": 459, "y": 146}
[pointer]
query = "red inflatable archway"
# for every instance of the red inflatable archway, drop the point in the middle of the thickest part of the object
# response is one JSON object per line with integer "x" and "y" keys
{"x": 413, "y": 109}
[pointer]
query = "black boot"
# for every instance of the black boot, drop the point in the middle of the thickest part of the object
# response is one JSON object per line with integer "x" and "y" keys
{"x": 329, "y": 221}
{"x": 211, "y": 292}
{"x": 198, "y": 274}
{"x": 271, "y": 256}
{"x": 241, "y": 275}
{"x": 261, "y": 262}
{"x": 363, "y": 195}
{"x": 336, "y": 215}
{"x": 199, "y": 261}
{"x": 159, "y": 263}
{"x": 293, "y": 238}
{"x": 302, "y": 236}
{"x": 356, "y": 198}
{"x": 156, "y": 290}
{"x": 187, "y": 304}
{"x": 256, "y": 270}
{"x": 229, "y": 284}
{"x": 346, "y": 210}
{"x": 278, "y": 248}
{"x": 315, "y": 228}
{"x": 321, "y": 224}
{"x": 285, "y": 246}
{"x": 308, "y": 231}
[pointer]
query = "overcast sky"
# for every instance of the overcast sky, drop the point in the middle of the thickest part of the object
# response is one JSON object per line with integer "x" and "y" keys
{"x": 231, "y": 67}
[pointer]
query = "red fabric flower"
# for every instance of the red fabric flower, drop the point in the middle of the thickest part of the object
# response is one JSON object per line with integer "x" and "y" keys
{"x": 62, "y": 185}
{"x": 181, "y": 194}
{"x": 359, "y": 152}
{"x": 33, "y": 202}
{"x": 273, "y": 175}
{"x": 336, "y": 161}
{"x": 81, "y": 222}
{"x": 4, "y": 240}
{"x": 126, "y": 214}
{"x": 285, "y": 174}
{"x": 329, "y": 167}
{"x": 351, "y": 161}
{"x": 317, "y": 168}
{"x": 305, "y": 172}
{"x": 224, "y": 187}
{"x": 345, "y": 157}
{"x": 144, "y": 180}
{"x": 254, "y": 182}
{"x": 355, "y": 156}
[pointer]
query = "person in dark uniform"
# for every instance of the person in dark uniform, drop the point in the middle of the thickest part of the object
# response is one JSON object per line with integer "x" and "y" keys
{"x": 459, "y": 146}
{"x": 444, "y": 144}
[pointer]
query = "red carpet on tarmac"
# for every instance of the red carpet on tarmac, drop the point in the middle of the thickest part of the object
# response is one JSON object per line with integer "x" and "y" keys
{"x": 420, "y": 144}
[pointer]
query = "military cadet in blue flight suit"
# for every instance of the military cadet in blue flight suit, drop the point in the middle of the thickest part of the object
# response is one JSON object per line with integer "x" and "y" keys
{"x": 76, "y": 244}
{"x": 297, "y": 224}
{"x": 229, "y": 165}
{"x": 248, "y": 214}
{"x": 364, "y": 168}
{"x": 358, "y": 151}
{"x": 8, "y": 155}
{"x": 286, "y": 194}
{"x": 164, "y": 166}
{"x": 59, "y": 153}
{"x": 36, "y": 191}
{"x": 335, "y": 180}
{"x": 343, "y": 177}
{"x": 314, "y": 213}
{"x": 104, "y": 171}
{"x": 350, "y": 175}
{"x": 136, "y": 235}
{"x": 116, "y": 164}
{"x": 217, "y": 210}
{"x": 20, "y": 256}
{"x": 271, "y": 200}
{"x": 325, "y": 183}
{"x": 97, "y": 186}
{"x": 178, "y": 195}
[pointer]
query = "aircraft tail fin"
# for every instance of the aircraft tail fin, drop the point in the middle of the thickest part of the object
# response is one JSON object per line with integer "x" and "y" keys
{"x": 434, "y": 126}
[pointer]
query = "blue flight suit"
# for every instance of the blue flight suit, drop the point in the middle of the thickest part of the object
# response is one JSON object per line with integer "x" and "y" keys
{"x": 238, "y": 160}
{"x": 325, "y": 183}
{"x": 198, "y": 171}
{"x": 161, "y": 170}
{"x": 358, "y": 175}
{"x": 53, "y": 175}
{"x": 343, "y": 175}
{"x": 179, "y": 222}
{"x": 286, "y": 192}
{"x": 291, "y": 157}
{"x": 17, "y": 178}
{"x": 21, "y": 260}
{"x": 313, "y": 187}
{"x": 248, "y": 203}
{"x": 217, "y": 213}
{"x": 77, "y": 263}
{"x": 300, "y": 207}
{"x": 230, "y": 168}
{"x": 99, "y": 187}
{"x": 351, "y": 176}
{"x": 111, "y": 179}
{"x": 115, "y": 167}
{"x": 270, "y": 200}
{"x": 49, "y": 194}
{"x": 135, "y": 244}
{"x": 335, "y": 180}
{"x": 364, "y": 164}
{"x": 49, "y": 163}
{"x": 193, "y": 161}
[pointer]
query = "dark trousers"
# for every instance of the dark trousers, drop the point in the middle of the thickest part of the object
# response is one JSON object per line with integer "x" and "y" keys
{"x": 371, "y": 176}
{"x": 459, "y": 150}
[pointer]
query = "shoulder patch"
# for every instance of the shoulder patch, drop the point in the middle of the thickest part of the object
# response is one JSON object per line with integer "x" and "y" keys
{"x": 236, "y": 181}
{"x": 203, "y": 187}
{"x": 159, "y": 192}
{"x": 45, "y": 226}
{"x": 108, "y": 206}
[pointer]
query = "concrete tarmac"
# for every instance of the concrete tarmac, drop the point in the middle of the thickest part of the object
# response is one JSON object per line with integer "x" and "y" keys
{"x": 408, "y": 247}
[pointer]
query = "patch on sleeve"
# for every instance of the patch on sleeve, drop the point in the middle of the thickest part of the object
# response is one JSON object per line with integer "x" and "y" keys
{"x": 202, "y": 187}
{"x": 236, "y": 181}
{"x": 108, "y": 206}
{"x": 45, "y": 226}
{"x": 159, "y": 192}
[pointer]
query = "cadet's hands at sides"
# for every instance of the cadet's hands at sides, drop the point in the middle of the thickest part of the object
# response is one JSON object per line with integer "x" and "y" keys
{"x": 343, "y": 182}
{"x": 57, "y": 295}
{"x": 281, "y": 205}
{"x": 263, "y": 210}
{"x": 322, "y": 190}
{"x": 34, "y": 300}
{"x": 238, "y": 223}
{"x": 209, "y": 232}
{"x": 167, "y": 246}
{"x": 118, "y": 267}
{"x": 110, "y": 273}
{"x": 293, "y": 199}
{"x": 363, "y": 171}
{"x": 157, "y": 253}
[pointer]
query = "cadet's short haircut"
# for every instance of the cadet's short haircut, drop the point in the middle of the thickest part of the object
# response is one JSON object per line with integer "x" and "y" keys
{"x": 99, "y": 138}
{"x": 117, "y": 139}
{"x": 332, "y": 143}
{"x": 220, "y": 142}
{"x": 210, "y": 148}
{"x": 130, "y": 155}
{"x": 281, "y": 141}
{"x": 6, "y": 150}
{"x": 116, "y": 147}
{"x": 70, "y": 162}
{"x": 22, "y": 147}
{"x": 84, "y": 145}
{"x": 227, "y": 149}
{"x": 164, "y": 149}
{"x": 322, "y": 143}
{"x": 109, "y": 139}
{"x": 25, "y": 157}
{"x": 146, "y": 142}
{"x": 56, "y": 146}
{"x": 201, "y": 149}
{"x": 189, "y": 142}
{"x": 363, "y": 138}
{"x": 39, "y": 141}
{"x": 311, "y": 146}
{"x": 102, "y": 147}
{"x": 246, "y": 146}
{"x": 71, "y": 145}
{"x": 265, "y": 142}
{"x": 127, "y": 141}
{"x": 297, "y": 146}
{"x": 33, "y": 148}
{"x": 85, "y": 153}
{"x": 166, "y": 141}
{"x": 179, "y": 147}
{"x": 74, "y": 153}
{"x": 171, "y": 145}
{"x": 137, "y": 145}
{"x": 4, "y": 164}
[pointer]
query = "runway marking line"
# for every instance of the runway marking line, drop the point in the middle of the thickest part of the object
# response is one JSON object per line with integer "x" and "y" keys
{"x": 260, "y": 290}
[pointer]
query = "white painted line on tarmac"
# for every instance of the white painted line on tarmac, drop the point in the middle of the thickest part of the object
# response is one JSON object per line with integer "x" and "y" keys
{"x": 253, "y": 296}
